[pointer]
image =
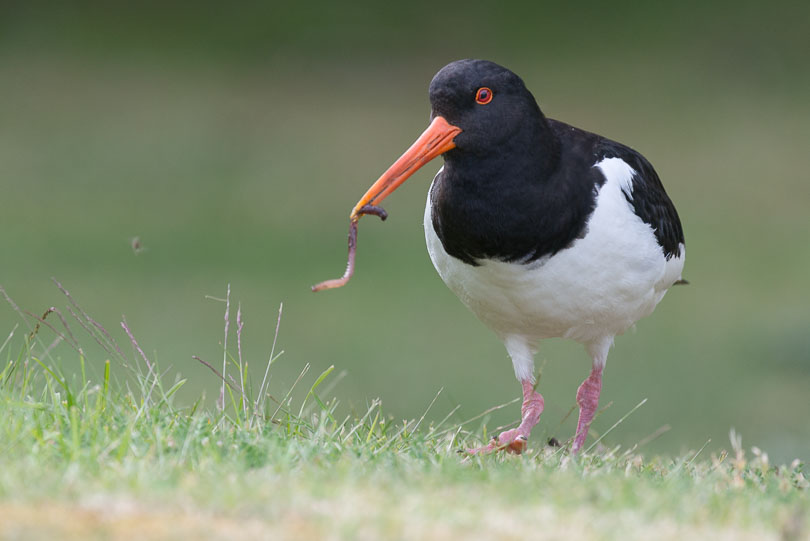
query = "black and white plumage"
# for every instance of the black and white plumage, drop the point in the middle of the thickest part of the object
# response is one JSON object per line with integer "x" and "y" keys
{"x": 542, "y": 229}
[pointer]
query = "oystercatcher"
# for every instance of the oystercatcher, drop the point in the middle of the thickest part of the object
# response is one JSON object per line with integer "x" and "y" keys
{"x": 542, "y": 229}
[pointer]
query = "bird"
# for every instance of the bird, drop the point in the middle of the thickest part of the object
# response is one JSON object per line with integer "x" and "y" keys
{"x": 542, "y": 229}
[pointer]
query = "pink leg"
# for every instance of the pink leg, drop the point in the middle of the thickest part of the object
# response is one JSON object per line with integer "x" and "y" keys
{"x": 588, "y": 400}
{"x": 515, "y": 440}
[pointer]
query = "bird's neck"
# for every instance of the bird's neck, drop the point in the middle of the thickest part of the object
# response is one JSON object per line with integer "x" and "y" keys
{"x": 512, "y": 205}
{"x": 529, "y": 157}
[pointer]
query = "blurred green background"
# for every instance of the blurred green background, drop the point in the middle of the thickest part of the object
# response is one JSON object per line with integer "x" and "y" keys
{"x": 233, "y": 140}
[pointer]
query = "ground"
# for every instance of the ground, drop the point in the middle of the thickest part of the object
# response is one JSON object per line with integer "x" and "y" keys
{"x": 116, "y": 458}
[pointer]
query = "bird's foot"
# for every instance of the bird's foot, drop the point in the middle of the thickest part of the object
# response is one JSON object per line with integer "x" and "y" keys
{"x": 510, "y": 441}
{"x": 516, "y": 440}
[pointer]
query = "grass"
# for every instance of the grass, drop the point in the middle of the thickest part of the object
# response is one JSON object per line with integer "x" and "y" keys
{"x": 109, "y": 453}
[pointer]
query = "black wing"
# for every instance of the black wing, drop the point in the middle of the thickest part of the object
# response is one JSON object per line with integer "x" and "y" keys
{"x": 649, "y": 200}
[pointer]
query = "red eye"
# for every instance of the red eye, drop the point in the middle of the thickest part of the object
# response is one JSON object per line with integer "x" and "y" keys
{"x": 483, "y": 96}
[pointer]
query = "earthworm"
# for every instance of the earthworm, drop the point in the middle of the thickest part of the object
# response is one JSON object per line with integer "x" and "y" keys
{"x": 343, "y": 280}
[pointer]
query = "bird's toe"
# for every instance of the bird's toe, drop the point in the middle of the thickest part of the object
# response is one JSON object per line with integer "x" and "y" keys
{"x": 518, "y": 445}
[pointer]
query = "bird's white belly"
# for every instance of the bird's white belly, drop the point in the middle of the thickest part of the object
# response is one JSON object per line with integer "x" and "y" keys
{"x": 589, "y": 292}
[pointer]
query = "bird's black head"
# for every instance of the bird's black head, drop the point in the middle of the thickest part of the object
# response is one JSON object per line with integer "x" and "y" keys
{"x": 481, "y": 115}
{"x": 489, "y": 103}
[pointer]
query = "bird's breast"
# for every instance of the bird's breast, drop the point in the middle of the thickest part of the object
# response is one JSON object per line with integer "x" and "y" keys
{"x": 506, "y": 214}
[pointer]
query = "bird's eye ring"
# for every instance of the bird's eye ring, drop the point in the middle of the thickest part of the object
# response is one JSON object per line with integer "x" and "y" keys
{"x": 483, "y": 96}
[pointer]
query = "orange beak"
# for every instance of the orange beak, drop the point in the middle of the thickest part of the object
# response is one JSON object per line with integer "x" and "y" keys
{"x": 435, "y": 140}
